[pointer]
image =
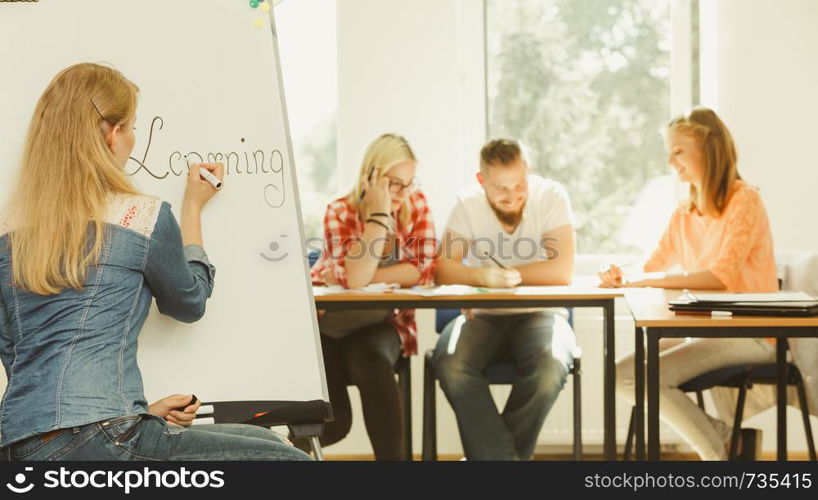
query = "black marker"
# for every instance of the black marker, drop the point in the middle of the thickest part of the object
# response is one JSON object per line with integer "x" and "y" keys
{"x": 192, "y": 402}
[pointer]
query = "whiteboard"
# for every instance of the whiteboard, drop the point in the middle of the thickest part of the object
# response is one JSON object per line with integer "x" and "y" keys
{"x": 211, "y": 88}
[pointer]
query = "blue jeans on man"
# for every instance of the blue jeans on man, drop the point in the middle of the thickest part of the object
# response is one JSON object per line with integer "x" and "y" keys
{"x": 540, "y": 345}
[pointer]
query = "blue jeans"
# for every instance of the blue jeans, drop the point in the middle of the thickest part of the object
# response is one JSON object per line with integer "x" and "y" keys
{"x": 146, "y": 437}
{"x": 542, "y": 355}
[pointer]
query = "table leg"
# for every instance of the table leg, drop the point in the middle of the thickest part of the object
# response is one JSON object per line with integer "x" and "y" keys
{"x": 609, "y": 360}
{"x": 639, "y": 389}
{"x": 653, "y": 394}
{"x": 781, "y": 392}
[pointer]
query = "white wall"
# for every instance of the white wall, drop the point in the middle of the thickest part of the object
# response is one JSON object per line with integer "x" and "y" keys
{"x": 767, "y": 92}
{"x": 414, "y": 68}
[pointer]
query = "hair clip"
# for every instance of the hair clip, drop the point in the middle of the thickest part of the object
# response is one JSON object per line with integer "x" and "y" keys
{"x": 97, "y": 109}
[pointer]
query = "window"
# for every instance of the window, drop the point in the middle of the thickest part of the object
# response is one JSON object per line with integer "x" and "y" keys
{"x": 585, "y": 85}
{"x": 307, "y": 43}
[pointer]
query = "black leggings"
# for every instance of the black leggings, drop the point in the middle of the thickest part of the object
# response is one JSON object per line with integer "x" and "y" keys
{"x": 366, "y": 358}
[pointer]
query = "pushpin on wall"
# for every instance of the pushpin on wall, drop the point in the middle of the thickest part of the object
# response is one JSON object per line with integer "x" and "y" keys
{"x": 265, "y": 7}
{"x": 254, "y": 4}
{"x": 259, "y": 22}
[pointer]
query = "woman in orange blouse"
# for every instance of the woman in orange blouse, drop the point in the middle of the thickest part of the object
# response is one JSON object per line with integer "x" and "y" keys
{"x": 721, "y": 239}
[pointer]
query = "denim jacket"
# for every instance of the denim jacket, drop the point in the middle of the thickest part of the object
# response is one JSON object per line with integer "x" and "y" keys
{"x": 70, "y": 358}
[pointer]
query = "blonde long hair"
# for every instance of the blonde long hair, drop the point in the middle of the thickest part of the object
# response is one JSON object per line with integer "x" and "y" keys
{"x": 67, "y": 174}
{"x": 383, "y": 153}
{"x": 718, "y": 155}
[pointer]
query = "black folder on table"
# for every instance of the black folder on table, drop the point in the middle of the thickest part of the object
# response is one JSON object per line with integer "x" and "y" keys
{"x": 789, "y": 305}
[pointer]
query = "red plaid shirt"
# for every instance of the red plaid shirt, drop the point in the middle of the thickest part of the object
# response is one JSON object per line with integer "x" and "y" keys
{"x": 415, "y": 241}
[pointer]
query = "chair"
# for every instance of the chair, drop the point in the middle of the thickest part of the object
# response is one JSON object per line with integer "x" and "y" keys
{"x": 741, "y": 377}
{"x": 503, "y": 373}
{"x": 404, "y": 373}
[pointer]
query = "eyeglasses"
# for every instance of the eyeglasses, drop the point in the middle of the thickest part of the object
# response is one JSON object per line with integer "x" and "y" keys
{"x": 397, "y": 187}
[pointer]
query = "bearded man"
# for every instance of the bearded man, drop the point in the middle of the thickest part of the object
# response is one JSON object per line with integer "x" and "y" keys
{"x": 513, "y": 228}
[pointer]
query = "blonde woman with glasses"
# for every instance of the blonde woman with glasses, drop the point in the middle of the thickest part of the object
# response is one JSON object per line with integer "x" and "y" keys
{"x": 380, "y": 232}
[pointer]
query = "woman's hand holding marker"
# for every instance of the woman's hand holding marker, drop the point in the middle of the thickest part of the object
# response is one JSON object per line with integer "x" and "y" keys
{"x": 197, "y": 193}
{"x": 199, "y": 190}
{"x": 206, "y": 175}
{"x": 212, "y": 179}
{"x": 178, "y": 409}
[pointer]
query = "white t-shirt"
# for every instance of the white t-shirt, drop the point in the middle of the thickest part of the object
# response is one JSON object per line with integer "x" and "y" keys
{"x": 547, "y": 208}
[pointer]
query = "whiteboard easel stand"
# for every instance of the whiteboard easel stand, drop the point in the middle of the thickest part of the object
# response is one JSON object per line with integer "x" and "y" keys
{"x": 304, "y": 419}
{"x": 311, "y": 432}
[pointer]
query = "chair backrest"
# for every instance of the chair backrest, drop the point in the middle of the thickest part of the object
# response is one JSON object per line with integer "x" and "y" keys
{"x": 798, "y": 270}
{"x": 313, "y": 256}
{"x": 444, "y": 316}
{"x": 737, "y": 375}
{"x": 502, "y": 371}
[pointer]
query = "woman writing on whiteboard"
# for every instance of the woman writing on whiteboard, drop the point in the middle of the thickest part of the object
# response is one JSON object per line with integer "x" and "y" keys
{"x": 721, "y": 239}
{"x": 82, "y": 255}
{"x": 381, "y": 232}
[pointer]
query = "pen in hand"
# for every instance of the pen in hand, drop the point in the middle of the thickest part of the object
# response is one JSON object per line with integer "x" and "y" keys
{"x": 193, "y": 400}
{"x": 486, "y": 254}
{"x": 508, "y": 278}
{"x": 206, "y": 175}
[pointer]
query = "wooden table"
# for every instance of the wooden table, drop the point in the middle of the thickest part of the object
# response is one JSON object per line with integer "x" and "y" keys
{"x": 581, "y": 295}
{"x": 651, "y": 314}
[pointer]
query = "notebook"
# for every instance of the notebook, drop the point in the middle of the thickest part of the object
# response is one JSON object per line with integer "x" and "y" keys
{"x": 797, "y": 304}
